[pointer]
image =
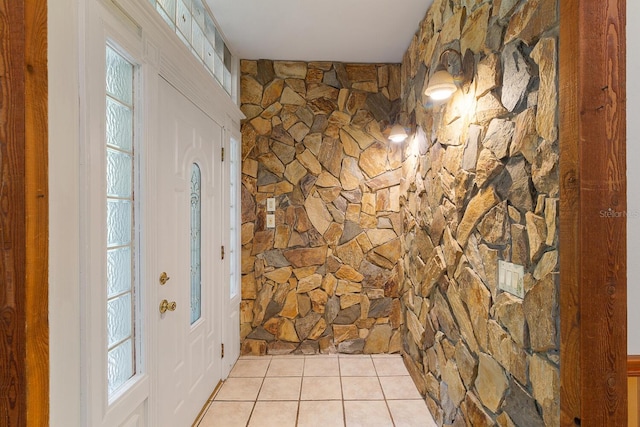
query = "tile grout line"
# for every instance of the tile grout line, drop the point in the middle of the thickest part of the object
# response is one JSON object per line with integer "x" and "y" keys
{"x": 344, "y": 408}
{"x": 304, "y": 363}
{"x": 255, "y": 402}
{"x": 384, "y": 395}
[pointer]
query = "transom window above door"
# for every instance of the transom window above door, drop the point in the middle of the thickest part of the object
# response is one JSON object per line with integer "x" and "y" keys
{"x": 194, "y": 25}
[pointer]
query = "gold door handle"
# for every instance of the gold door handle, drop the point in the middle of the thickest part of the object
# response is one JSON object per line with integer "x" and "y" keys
{"x": 164, "y": 278}
{"x": 166, "y": 305}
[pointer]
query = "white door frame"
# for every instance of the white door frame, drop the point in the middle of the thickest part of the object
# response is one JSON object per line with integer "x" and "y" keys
{"x": 102, "y": 28}
{"x": 232, "y": 141}
{"x": 139, "y": 32}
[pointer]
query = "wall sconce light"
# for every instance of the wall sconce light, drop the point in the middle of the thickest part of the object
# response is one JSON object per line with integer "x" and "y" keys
{"x": 441, "y": 85}
{"x": 398, "y": 133}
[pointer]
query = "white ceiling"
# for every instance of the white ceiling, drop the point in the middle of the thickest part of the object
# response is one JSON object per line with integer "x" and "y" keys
{"x": 373, "y": 31}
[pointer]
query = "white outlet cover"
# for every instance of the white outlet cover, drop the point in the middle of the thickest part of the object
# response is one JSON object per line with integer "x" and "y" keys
{"x": 511, "y": 278}
{"x": 271, "y": 204}
{"x": 271, "y": 221}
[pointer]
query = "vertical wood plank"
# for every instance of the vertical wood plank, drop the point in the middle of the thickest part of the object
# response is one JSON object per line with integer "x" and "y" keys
{"x": 602, "y": 105}
{"x": 593, "y": 213}
{"x": 569, "y": 120}
{"x": 12, "y": 215}
{"x": 24, "y": 357}
{"x": 37, "y": 218}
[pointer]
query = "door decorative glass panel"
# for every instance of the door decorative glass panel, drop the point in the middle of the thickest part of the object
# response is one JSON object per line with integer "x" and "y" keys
{"x": 120, "y": 259}
{"x": 196, "y": 243}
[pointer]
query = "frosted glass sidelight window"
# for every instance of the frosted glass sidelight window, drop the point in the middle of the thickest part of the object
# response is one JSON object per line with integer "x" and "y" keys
{"x": 119, "y": 316}
{"x": 120, "y": 362}
{"x": 120, "y": 215}
{"x": 196, "y": 243}
{"x": 194, "y": 25}
{"x": 119, "y": 169}
{"x": 119, "y": 271}
{"x": 119, "y": 77}
{"x": 119, "y": 124}
{"x": 119, "y": 220}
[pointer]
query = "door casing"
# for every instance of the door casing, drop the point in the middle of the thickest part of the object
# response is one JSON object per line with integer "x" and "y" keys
{"x": 139, "y": 35}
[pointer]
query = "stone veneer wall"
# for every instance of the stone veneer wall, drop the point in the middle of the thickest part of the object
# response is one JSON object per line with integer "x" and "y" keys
{"x": 480, "y": 184}
{"x": 327, "y": 278}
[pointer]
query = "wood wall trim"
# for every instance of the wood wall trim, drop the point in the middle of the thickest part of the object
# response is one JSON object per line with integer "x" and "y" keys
{"x": 37, "y": 212}
{"x": 24, "y": 355}
{"x": 13, "y": 404}
{"x": 633, "y": 366}
{"x": 570, "y": 407}
{"x": 593, "y": 301}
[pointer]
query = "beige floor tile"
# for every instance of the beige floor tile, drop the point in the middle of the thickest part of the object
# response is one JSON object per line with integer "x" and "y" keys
{"x": 245, "y": 389}
{"x": 389, "y": 366}
{"x": 399, "y": 388}
{"x": 280, "y": 388}
{"x": 321, "y": 388}
{"x": 320, "y": 414}
{"x": 321, "y": 367}
{"x": 372, "y": 413}
{"x": 410, "y": 413}
{"x": 357, "y": 367}
{"x": 285, "y": 368}
{"x": 250, "y": 368}
{"x": 274, "y": 414}
{"x": 319, "y": 391}
{"x": 361, "y": 388}
{"x": 227, "y": 414}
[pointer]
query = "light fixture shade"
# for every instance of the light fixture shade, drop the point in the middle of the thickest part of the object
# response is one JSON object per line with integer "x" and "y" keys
{"x": 398, "y": 133}
{"x": 441, "y": 85}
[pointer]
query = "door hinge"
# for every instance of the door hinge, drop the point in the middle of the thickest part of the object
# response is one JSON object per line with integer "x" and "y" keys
{"x": 222, "y": 351}
{"x": 223, "y": 154}
{"x": 222, "y": 252}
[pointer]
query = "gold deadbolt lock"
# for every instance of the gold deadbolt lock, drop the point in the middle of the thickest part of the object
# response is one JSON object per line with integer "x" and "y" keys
{"x": 166, "y": 305}
{"x": 164, "y": 278}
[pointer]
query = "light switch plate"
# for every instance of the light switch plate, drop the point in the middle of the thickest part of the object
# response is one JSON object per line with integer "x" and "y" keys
{"x": 511, "y": 278}
{"x": 271, "y": 204}
{"x": 271, "y": 221}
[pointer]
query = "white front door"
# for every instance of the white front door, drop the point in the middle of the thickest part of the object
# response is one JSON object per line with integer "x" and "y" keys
{"x": 188, "y": 244}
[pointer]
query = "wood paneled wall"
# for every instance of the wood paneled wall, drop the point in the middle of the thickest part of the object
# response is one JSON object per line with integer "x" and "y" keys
{"x": 24, "y": 354}
{"x": 593, "y": 245}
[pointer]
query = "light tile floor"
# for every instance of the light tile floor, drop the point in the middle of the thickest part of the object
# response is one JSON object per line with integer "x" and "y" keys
{"x": 318, "y": 391}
